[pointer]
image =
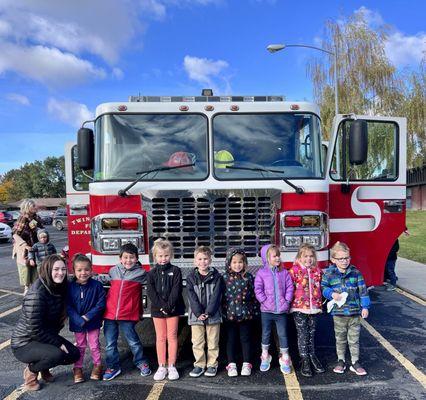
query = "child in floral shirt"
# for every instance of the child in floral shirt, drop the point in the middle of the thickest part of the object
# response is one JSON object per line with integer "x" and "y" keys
{"x": 240, "y": 307}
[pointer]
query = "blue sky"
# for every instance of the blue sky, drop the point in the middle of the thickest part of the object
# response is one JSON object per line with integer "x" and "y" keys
{"x": 59, "y": 59}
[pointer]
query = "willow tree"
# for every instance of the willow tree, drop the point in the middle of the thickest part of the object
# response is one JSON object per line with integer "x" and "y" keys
{"x": 367, "y": 81}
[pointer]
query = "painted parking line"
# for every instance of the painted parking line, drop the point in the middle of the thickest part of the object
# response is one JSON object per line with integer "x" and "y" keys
{"x": 156, "y": 391}
{"x": 411, "y": 296}
{"x": 16, "y": 393}
{"x": 11, "y": 311}
{"x": 4, "y": 344}
{"x": 11, "y": 292}
{"x": 5, "y": 295}
{"x": 407, "y": 364}
{"x": 292, "y": 386}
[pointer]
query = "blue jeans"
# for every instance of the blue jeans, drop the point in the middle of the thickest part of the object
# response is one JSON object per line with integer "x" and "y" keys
{"x": 280, "y": 321}
{"x": 111, "y": 337}
{"x": 390, "y": 271}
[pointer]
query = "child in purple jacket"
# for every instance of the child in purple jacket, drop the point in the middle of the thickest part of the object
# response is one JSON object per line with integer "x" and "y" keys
{"x": 274, "y": 288}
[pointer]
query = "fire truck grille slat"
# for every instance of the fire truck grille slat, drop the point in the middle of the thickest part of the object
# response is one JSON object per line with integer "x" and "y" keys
{"x": 189, "y": 222}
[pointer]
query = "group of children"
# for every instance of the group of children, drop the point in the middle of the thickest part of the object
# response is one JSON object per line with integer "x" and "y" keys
{"x": 233, "y": 300}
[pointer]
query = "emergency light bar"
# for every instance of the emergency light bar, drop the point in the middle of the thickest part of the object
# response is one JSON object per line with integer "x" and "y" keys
{"x": 200, "y": 99}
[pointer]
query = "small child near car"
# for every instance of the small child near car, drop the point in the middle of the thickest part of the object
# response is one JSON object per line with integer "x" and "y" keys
{"x": 41, "y": 249}
{"x": 123, "y": 311}
{"x": 342, "y": 277}
{"x": 306, "y": 305}
{"x": 85, "y": 308}
{"x": 164, "y": 286}
{"x": 274, "y": 291}
{"x": 205, "y": 287}
{"x": 240, "y": 308}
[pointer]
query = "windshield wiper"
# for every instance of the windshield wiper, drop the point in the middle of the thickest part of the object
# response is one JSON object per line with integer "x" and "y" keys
{"x": 123, "y": 192}
{"x": 298, "y": 189}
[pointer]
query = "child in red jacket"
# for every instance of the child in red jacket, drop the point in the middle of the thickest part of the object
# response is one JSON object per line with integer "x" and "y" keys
{"x": 307, "y": 302}
{"x": 123, "y": 310}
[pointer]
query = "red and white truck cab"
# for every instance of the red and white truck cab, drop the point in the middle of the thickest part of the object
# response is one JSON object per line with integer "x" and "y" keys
{"x": 238, "y": 171}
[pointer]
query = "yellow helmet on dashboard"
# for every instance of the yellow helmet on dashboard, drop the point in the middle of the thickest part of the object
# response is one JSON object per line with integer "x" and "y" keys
{"x": 223, "y": 159}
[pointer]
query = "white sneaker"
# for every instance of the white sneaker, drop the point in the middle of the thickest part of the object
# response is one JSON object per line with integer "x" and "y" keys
{"x": 232, "y": 369}
{"x": 160, "y": 374}
{"x": 173, "y": 373}
{"x": 246, "y": 369}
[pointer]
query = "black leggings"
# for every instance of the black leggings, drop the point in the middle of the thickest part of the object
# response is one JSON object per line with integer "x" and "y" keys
{"x": 305, "y": 326}
{"x": 42, "y": 356}
{"x": 243, "y": 330}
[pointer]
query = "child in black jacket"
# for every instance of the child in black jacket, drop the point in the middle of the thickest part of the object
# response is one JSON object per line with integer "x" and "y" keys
{"x": 205, "y": 286}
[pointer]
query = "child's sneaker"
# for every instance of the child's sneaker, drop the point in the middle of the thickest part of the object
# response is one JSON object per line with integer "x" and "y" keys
{"x": 340, "y": 367}
{"x": 358, "y": 369}
{"x": 144, "y": 368}
{"x": 210, "y": 371}
{"x": 265, "y": 363}
{"x": 390, "y": 288}
{"x": 246, "y": 369}
{"x": 173, "y": 374}
{"x": 285, "y": 365}
{"x": 232, "y": 369}
{"x": 160, "y": 374}
{"x": 78, "y": 375}
{"x": 110, "y": 374}
{"x": 196, "y": 372}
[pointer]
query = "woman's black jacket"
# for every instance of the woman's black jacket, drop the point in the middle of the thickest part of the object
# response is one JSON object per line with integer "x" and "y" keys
{"x": 42, "y": 317}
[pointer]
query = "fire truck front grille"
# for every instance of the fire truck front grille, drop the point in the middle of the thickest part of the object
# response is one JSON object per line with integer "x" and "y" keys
{"x": 218, "y": 221}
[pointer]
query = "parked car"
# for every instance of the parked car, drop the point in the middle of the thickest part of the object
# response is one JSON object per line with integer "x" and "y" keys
{"x": 6, "y": 218}
{"x": 15, "y": 215}
{"x": 45, "y": 216}
{"x": 5, "y": 232}
{"x": 60, "y": 219}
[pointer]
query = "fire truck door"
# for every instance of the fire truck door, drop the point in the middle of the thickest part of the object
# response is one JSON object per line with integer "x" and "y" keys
{"x": 367, "y": 201}
{"x": 77, "y": 188}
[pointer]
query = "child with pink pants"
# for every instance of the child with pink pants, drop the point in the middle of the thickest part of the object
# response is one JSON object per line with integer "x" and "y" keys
{"x": 85, "y": 308}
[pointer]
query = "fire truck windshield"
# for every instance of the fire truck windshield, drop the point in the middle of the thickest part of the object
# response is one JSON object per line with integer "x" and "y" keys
{"x": 127, "y": 144}
{"x": 274, "y": 145}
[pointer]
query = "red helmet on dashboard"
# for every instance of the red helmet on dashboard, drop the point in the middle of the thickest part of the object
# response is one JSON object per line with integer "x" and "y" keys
{"x": 180, "y": 158}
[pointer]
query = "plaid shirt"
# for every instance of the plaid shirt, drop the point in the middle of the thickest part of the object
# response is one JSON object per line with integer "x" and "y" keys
{"x": 350, "y": 281}
{"x": 22, "y": 228}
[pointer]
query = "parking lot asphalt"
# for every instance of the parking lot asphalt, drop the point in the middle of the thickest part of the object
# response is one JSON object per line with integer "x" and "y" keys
{"x": 393, "y": 350}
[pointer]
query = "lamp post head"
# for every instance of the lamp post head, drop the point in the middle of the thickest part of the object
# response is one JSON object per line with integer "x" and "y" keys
{"x": 273, "y": 48}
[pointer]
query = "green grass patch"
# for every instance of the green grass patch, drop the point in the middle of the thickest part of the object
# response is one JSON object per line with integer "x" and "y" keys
{"x": 413, "y": 247}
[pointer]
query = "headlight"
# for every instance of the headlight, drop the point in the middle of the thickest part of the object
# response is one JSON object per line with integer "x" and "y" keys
{"x": 292, "y": 241}
{"x": 133, "y": 240}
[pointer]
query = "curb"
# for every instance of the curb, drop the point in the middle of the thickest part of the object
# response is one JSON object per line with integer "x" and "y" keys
{"x": 411, "y": 292}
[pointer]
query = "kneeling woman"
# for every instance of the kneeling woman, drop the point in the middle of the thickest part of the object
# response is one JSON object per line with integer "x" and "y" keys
{"x": 35, "y": 339}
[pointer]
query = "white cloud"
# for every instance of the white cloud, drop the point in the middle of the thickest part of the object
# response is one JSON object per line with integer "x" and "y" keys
{"x": 402, "y": 50}
{"x": 372, "y": 18}
{"x": 49, "y": 66}
{"x": 70, "y": 112}
{"x": 405, "y": 50}
{"x": 205, "y": 71}
{"x": 117, "y": 73}
{"x": 18, "y": 98}
{"x": 154, "y": 8}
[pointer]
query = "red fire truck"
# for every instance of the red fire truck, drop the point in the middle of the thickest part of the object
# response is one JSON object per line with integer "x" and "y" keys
{"x": 239, "y": 171}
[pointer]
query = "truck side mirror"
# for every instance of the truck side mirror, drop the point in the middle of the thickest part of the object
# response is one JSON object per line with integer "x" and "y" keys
{"x": 85, "y": 148}
{"x": 358, "y": 142}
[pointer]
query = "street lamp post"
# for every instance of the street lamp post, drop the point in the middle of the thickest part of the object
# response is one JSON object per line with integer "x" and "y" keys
{"x": 273, "y": 48}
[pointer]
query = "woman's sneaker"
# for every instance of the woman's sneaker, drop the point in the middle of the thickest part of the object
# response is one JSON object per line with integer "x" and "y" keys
{"x": 246, "y": 369}
{"x": 358, "y": 369}
{"x": 111, "y": 374}
{"x": 285, "y": 365}
{"x": 265, "y": 363}
{"x": 232, "y": 369}
{"x": 173, "y": 374}
{"x": 196, "y": 372}
{"x": 340, "y": 367}
{"x": 160, "y": 374}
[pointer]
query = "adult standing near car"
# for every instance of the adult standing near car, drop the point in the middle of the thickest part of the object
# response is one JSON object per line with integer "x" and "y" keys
{"x": 24, "y": 237}
{"x": 35, "y": 340}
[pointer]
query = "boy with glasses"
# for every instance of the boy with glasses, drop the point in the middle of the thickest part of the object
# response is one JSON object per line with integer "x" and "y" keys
{"x": 343, "y": 277}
